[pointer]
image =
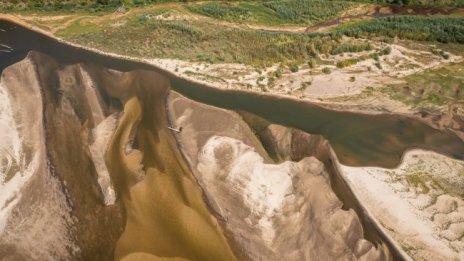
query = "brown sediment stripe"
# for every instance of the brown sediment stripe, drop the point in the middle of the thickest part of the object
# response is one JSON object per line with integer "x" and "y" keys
{"x": 166, "y": 215}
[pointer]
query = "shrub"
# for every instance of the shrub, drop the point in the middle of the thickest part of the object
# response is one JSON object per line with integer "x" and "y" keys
{"x": 326, "y": 70}
{"x": 386, "y": 51}
{"x": 312, "y": 63}
{"x": 294, "y": 68}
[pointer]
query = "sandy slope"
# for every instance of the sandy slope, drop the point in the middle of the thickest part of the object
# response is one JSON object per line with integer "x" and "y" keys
{"x": 35, "y": 220}
{"x": 420, "y": 203}
{"x": 271, "y": 211}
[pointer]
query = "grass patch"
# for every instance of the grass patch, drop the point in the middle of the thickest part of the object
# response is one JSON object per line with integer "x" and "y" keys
{"x": 80, "y": 27}
{"x": 431, "y": 87}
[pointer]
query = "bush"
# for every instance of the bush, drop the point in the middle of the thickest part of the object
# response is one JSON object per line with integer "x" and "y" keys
{"x": 294, "y": 68}
{"x": 386, "y": 51}
{"x": 326, "y": 70}
{"x": 312, "y": 63}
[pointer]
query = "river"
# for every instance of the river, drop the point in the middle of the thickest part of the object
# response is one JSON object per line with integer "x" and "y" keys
{"x": 358, "y": 139}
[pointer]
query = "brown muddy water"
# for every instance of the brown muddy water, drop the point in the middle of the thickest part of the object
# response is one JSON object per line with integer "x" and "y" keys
{"x": 358, "y": 139}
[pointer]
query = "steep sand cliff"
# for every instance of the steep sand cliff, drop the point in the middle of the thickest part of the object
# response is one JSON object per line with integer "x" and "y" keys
{"x": 284, "y": 211}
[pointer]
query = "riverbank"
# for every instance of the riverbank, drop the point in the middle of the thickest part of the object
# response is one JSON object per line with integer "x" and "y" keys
{"x": 352, "y": 87}
{"x": 169, "y": 69}
{"x": 419, "y": 203}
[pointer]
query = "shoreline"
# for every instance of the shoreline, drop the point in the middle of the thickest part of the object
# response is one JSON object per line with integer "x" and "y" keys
{"x": 147, "y": 62}
{"x": 333, "y": 106}
{"x": 366, "y": 214}
{"x": 410, "y": 201}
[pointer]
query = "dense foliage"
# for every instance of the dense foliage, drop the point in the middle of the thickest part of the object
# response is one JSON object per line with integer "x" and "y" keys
{"x": 442, "y": 29}
{"x": 273, "y": 12}
{"x": 91, "y": 5}
{"x": 222, "y": 11}
{"x": 351, "y": 47}
{"x": 295, "y": 10}
{"x": 303, "y": 11}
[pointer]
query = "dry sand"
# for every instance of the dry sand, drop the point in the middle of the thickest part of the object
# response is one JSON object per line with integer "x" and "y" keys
{"x": 272, "y": 211}
{"x": 419, "y": 203}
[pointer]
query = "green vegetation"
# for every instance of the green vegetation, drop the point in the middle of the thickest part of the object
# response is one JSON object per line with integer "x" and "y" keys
{"x": 294, "y": 68}
{"x": 445, "y": 29}
{"x": 307, "y": 11}
{"x": 201, "y": 41}
{"x": 419, "y": 3}
{"x": 431, "y": 87}
{"x": 375, "y": 56}
{"x": 326, "y": 70}
{"x": 291, "y": 11}
{"x": 273, "y": 12}
{"x": 351, "y": 47}
{"x": 73, "y": 5}
{"x": 222, "y": 10}
{"x": 312, "y": 63}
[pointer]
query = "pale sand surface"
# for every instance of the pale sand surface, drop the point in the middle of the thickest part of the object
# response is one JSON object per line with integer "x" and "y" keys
{"x": 273, "y": 211}
{"x": 419, "y": 203}
{"x": 35, "y": 218}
